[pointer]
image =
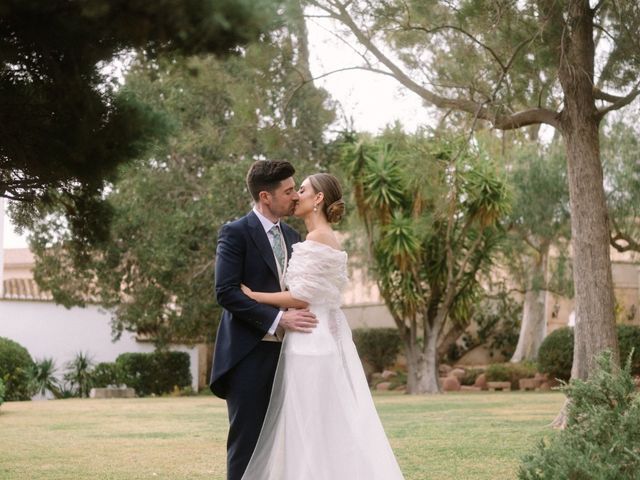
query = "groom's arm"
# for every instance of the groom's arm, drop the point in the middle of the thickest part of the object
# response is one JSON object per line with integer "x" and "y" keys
{"x": 229, "y": 267}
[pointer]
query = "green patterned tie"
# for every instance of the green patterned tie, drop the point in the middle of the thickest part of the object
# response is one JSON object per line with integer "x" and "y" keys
{"x": 277, "y": 246}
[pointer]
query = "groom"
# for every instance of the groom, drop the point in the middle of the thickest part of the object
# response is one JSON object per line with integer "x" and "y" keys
{"x": 253, "y": 251}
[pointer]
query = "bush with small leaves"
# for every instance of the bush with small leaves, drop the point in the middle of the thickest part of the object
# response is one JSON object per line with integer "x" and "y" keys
{"x": 628, "y": 341}
{"x": 555, "y": 355}
{"x": 510, "y": 372}
{"x": 378, "y": 346}
{"x": 602, "y": 438}
{"x": 16, "y": 370}
{"x": 2, "y": 391}
{"x": 106, "y": 374}
{"x": 155, "y": 373}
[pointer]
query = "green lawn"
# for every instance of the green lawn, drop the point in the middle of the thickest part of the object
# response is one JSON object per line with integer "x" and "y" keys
{"x": 454, "y": 436}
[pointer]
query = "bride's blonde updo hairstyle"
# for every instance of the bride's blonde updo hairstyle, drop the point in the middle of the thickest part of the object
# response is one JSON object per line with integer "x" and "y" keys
{"x": 333, "y": 205}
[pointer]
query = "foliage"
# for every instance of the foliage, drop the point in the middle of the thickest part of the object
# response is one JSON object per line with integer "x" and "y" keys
{"x": 470, "y": 376}
{"x": 556, "y": 352}
{"x": 601, "y": 440}
{"x": 497, "y": 318}
{"x": 430, "y": 208}
{"x": 378, "y": 346}
{"x": 621, "y": 163}
{"x": 44, "y": 377}
{"x": 629, "y": 344}
{"x": 155, "y": 373}
{"x": 555, "y": 356}
{"x": 106, "y": 374}
{"x": 2, "y": 392}
{"x": 79, "y": 374}
{"x": 16, "y": 369}
{"x": 510, "y": 372}
{"x": 74, "y": 127}
{"x": 155, "y": 267}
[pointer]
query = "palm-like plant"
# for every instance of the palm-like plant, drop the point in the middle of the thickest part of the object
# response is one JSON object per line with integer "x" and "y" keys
{"x": 79, "y": 374}
{"x": 431, "y": 209}
{"x": 44, "y": 377}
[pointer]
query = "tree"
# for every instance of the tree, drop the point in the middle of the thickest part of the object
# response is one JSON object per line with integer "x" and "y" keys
{"x": 515, "y": 52}
{"x": 538, "y": 221}
{"x": 66, "y": 127}
{"x": 430, "y": 231}
{"x": 154, "y": 270}
{"x": 44, "y": 377}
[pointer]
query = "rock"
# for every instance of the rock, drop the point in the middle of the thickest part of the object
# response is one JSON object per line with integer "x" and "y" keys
{"x": 493, "y": 386}
{"x": 459, "y": 373}
{"x": 383, "y": 386}
{"x": 387, "y": 374}
{"x": 481, "y": 381}
{"x": 544, "y": 387}
{"x": 529, "y": 383}
{"x": 112, "y": 393}
{"x": 451, "y": 384}
{"x": 401, "y": 388}
{"x": 444, "y": 369}
{"x": 376, "y": 376}
{"x": 470, "y": 388}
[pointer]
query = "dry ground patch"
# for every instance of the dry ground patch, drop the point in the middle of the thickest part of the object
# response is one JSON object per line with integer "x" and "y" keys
{"x": 455, "y": 436}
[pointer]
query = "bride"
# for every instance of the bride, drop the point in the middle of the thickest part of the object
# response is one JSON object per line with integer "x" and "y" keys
{"x": 321, "y": 423}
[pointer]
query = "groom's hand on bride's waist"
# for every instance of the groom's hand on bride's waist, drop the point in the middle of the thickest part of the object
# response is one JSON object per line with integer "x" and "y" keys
{"x": 301, "y": 320}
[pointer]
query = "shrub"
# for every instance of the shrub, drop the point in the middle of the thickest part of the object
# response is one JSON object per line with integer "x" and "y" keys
{"x": 498, "y": 372}
{"x": 2, "y": 391}
{"x": 555, "y": 356}
{"x": 629, "y": 339}
{"x": 44, "y": 377}
{"x": 106, "y": 374}
{"x": 601, "y": 440}
{"x": 79, "y": 371}
{"x": 16, "y": 370}
{"x": 378, "y": 346}
{"x": 155, "y": 373}
{"x": 510, "y": 372}
{"x": 556, "y": 352}
{"x": 470, "y": 376}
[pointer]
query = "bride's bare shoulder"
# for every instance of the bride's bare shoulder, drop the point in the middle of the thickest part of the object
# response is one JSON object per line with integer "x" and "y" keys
{"x": 326, "y": 237}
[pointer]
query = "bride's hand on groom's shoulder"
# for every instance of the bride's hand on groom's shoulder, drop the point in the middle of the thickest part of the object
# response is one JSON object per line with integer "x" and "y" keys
{"x": 299, "y": 320}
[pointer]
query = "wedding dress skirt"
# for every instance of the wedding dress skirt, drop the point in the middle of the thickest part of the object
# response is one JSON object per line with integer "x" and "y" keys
{"x": 321, "y": 423}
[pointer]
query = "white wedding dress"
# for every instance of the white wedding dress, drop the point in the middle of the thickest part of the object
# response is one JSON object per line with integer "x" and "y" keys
{"x": 321, "y": 423}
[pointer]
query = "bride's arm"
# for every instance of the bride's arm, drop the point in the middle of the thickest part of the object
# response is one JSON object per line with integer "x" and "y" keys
{"x": 277, "y": 299}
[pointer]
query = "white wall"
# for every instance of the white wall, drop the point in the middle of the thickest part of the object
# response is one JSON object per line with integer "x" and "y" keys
{"x": 49, "y": 330}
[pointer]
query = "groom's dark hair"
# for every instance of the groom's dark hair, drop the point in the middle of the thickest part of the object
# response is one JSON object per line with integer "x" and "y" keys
{"x": 265, "y": 175}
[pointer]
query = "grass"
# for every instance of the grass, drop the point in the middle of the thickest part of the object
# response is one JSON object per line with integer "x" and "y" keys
{"x": 478, "y": 436}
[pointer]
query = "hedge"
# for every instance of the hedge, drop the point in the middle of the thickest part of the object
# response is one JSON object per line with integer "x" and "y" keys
{"x": 154, "y": 373}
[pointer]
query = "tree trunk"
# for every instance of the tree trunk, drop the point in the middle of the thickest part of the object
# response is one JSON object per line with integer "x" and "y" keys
{"x": 422, "y": 366}
{"x": 534, "y": 325}
{"x": 595, "y": 319}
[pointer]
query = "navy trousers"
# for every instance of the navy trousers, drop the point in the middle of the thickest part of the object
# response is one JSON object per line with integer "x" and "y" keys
{"x": 249, "y": 389}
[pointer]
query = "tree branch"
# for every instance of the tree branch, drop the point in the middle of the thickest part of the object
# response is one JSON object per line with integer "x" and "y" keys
{"x": 532, "y": 116}
{"x": 620, "y": 102}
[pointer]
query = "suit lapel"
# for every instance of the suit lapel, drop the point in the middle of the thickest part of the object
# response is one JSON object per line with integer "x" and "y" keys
{"x": 259, "y": 237}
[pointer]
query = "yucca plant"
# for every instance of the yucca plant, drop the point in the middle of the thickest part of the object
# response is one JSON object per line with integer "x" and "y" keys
{"x": 44, "y": 377}
{"x": 431, "y": 209}
{"x": 78, "y": 374}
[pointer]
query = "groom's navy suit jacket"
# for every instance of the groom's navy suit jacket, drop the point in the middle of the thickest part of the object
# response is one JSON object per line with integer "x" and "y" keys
{"x": 244, "y": 255}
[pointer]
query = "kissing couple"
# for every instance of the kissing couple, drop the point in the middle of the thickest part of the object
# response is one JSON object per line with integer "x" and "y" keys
{"x": 298, "y": 401}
